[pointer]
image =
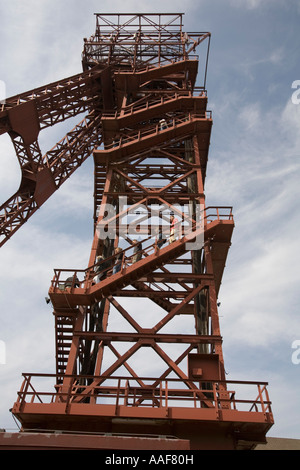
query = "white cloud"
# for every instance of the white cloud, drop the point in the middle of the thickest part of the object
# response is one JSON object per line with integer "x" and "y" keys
{"x": 259, "y": 292}
{"x": 258, "y": 172}
{"x": 253, "y": 4}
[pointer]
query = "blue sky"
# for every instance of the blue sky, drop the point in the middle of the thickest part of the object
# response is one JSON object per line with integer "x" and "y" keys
{"x": 254, "y": 166}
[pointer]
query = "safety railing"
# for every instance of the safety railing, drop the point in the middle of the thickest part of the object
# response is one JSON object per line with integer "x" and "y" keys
{"x": 158, "y": 62}
{"x": 85, "y": 278}
{"x": 66, "y": 280}
{"x": 147, "y": 131}
{"x": 154, "y": 392}
{"x": 149, "y": 102}
{"x": 212, "y": 213}
{"x": 98, "y": 52}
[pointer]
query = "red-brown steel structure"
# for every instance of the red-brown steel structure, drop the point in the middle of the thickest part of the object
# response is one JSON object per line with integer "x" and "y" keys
{"x": 159, "y": 369}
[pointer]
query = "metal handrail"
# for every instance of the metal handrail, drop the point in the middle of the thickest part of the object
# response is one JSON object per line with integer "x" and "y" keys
{"x": 163, "y": 392}
{"x": 89, "y": 273}
{"x": 143, "y": 105}
{"x": 156, "y": 129}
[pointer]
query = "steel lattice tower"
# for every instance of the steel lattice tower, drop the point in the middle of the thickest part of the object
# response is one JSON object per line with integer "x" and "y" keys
{"x": 139, "y": 348}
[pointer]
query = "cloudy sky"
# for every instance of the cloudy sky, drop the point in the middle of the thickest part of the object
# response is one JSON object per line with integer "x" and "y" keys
{"x": 254, "y": 166}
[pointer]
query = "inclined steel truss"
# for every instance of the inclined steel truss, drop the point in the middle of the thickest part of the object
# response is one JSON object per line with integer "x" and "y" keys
{"x": 23, "y": 116}
{"x": 140, "y": 345}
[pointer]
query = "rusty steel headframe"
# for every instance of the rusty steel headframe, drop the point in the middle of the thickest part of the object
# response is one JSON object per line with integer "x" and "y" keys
{"x": 138, "y": 341}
